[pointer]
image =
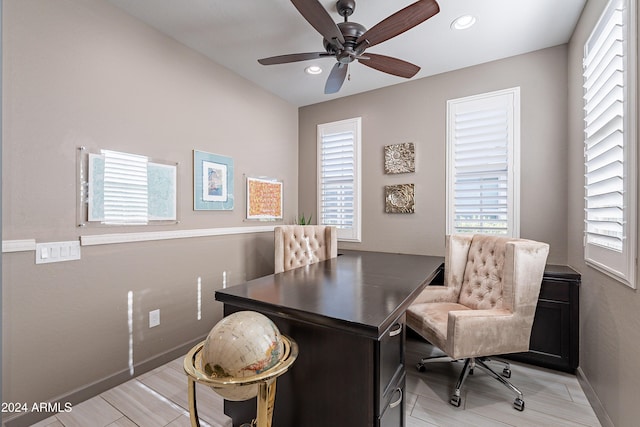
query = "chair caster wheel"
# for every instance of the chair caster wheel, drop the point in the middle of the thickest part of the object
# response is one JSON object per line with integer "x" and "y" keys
{"x": 506, "y": 372}
{"x": 455, "y": 401}
{"x": 420, "y": 367}
{"x": 518, "y": 404}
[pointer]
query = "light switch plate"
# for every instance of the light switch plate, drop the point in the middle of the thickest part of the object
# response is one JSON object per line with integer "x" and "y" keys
{"x": 57, "y": 251}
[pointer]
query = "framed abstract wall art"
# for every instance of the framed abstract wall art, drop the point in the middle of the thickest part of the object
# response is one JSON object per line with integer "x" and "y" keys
{"x": 264, "y": 198}
{"x": 212, "y": 181}
{"x": 118, "y": 188}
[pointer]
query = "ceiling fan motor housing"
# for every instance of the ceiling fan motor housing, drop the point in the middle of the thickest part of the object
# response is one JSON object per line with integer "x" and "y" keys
{"x": 347, "y": 53}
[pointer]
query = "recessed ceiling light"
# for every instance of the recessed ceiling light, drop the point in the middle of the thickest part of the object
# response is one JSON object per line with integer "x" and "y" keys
{"x": 463, "y": 22}
{"x": 313, "y": 69}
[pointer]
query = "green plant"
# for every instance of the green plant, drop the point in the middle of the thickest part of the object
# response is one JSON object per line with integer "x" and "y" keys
{"x": 303, "y": 221}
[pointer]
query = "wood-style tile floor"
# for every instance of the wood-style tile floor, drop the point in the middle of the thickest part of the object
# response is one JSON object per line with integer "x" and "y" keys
{"x": 159, "y": 398}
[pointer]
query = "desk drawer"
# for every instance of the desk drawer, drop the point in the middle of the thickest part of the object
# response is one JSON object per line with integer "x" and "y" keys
{"x": 554, "y": 290}
{"x": 393, "y": 410}
{"x": 391, "y": 358}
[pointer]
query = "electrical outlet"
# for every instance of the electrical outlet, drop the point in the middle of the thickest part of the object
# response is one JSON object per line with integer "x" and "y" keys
{"x": 154, "y": 318}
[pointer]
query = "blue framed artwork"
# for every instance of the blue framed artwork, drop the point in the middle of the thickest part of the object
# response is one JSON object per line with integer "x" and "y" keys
{"x": 212, "y": 181}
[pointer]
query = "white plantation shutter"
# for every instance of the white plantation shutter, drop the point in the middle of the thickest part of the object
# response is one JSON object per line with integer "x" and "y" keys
{"x": 338, "y": 182}
{"x": 125, "y": 188}
{"x": 339, "y": 177}
{"x": 609, "y": 126}
{"x": 482, "y": 145}
{"x": 604, "y": 134}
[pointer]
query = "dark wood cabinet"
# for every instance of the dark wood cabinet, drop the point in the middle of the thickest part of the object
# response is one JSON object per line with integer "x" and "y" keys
{"x": 555, "y": 334}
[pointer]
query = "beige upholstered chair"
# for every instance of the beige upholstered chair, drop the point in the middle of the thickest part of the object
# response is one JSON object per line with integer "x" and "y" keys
{"x": 486, "y": 306}
{"x": 299, "y": 245}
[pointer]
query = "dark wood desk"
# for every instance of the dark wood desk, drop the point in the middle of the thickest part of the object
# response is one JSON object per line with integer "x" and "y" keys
{"x": 347, "y": 316}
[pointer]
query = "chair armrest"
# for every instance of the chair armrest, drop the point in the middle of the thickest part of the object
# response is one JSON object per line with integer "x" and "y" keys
{"x": 436, "y": 294}
{"x": 477, "y": 333}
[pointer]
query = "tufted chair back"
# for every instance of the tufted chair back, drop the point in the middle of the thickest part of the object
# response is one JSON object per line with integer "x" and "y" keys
{"x": 299, "y": 245}
{"x": 482, "y": 286}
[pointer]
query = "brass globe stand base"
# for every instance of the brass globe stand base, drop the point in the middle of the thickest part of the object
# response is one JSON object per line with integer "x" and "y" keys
{"x": 266, "y": 381}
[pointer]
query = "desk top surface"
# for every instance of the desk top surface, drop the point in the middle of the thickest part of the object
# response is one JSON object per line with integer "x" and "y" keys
{"x": 359, "y": 292}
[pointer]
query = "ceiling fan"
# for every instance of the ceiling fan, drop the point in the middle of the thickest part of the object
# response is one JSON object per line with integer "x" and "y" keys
{"x": 347, "y": 41}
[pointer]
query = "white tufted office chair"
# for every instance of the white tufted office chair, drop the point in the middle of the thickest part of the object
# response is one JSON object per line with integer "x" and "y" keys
{"x": 486, "y": 306}
{"x": 299, "y": 245}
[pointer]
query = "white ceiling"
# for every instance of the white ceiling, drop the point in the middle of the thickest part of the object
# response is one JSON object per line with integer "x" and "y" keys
{"x": 236, "y": 33}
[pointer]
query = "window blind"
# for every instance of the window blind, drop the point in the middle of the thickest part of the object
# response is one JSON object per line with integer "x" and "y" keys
{"x": 125, "y": 188}
{"x": 604, "y": 131}
{"x": 337, "y": 179}
{"x": 483, "y": 140}
{"x": 610, "y": 140}
{"x": 481, "y": 167}
{"x": 339, "y": 187}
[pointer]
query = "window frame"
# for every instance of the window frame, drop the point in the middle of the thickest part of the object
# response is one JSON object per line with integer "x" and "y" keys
{"x": 510, "y": 99}
{"x": 353, "y": 234}
{"x": 620, "y": 265}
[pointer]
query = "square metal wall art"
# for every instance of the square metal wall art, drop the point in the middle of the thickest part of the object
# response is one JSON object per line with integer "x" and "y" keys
{"x": 399, "y": 198}
{"x": 399, "y": 158}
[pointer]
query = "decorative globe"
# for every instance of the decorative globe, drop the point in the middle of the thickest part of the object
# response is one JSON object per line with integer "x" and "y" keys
{"x": 241, "y": 345}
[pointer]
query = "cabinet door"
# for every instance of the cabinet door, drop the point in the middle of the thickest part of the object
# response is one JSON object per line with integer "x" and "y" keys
{"x": 554, "y": 335}
{"x": 550, "y": 333}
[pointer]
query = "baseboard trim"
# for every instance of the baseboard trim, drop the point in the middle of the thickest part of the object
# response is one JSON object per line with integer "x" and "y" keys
{"x": 593, "y": 399}
{"x": 91, "y": 390}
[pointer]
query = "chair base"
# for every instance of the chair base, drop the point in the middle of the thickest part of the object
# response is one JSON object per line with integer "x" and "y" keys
{"x": 469, "y": 365}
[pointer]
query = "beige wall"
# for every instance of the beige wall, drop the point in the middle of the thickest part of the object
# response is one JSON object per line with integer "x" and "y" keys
{"x": 609, "y": 311}
{"x": 416, "y": 112}
{"x": 81, "y": 72}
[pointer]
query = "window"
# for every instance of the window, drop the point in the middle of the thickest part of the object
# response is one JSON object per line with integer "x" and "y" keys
{"x": 609, "y": 77}
{"x": 339, "y": 177}
{"x": 483, "y": 143}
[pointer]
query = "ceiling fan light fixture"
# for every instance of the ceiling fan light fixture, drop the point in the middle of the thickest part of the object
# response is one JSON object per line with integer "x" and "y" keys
{"x": 463, "y": 22}
{"x": 313, "y": 70}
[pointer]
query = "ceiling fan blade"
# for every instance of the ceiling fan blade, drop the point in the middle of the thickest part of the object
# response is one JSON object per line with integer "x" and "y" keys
{"x": 294, "y": 57}
{"x": 389, "y": 65}
{"x": 319, "y": 18}
{"x": 399, "y": 22}
{"x": 336, "y": 78}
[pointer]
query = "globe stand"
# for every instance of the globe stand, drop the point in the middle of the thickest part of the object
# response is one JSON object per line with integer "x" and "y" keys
{"x": 266, "y": 381}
